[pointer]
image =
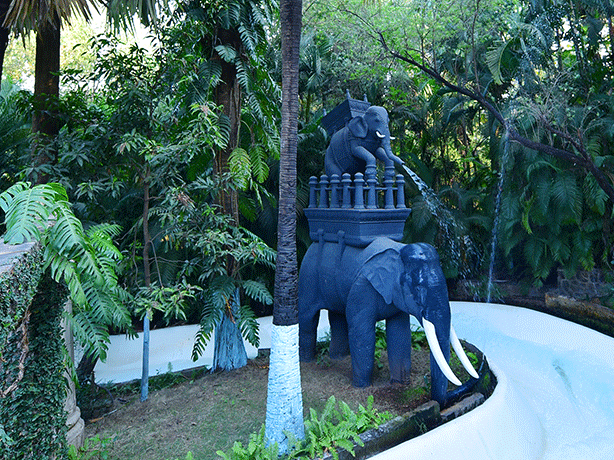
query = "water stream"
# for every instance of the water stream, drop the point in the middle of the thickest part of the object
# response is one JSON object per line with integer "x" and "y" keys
{"x": 496, "y": 218}
{"x": 442, "y": 215}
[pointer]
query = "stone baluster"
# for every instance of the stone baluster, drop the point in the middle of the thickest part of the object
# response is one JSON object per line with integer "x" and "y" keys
{"x": 371, "y": 191}
{"x": 388, "y": 188}
{"x": 313, "y": 184}
{"x": 400, "y": 191}
{"x": 334, "y": 191}
{"x": 359, "y": 197}
{"x": 346, "y": 181}
{"x": 323, "y": 191}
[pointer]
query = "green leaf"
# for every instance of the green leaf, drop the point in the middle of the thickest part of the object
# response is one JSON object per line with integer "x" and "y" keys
{"x": 257, "y": 291}
{"x": 226, "y": 52}
{"x": 27, "y": 210}
{"x": 239, "y": 163}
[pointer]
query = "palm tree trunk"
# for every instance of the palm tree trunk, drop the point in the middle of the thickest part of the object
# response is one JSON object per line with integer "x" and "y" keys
{"x": 4, "y": 34}
{"x": 284, "y": 400}
{"x": 228, "y": 95}
{"x": 45, "y": 125}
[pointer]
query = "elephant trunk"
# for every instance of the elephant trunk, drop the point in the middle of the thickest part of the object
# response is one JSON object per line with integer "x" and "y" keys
{"x": 385, "y": 138}
{"x": 438, "y": 354}
{"x": 436, "y": 320}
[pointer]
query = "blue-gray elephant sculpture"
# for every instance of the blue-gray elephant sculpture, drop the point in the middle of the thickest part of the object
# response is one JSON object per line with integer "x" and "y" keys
{"x": 355, "y": 147}
{"x": 385, "y": 280}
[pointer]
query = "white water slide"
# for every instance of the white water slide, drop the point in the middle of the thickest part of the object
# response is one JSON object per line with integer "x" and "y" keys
{"x": 554, "y": 400}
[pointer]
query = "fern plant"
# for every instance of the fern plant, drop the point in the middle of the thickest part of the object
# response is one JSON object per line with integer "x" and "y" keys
{"x": 552, "y": 217}
{"x": 334, "y": 429}
{"x": 85, "y": 260}
{"x": 337, "y": 429}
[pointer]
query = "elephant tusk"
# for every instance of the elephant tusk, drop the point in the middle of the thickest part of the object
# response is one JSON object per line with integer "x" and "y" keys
{"x": 458, "y": 348}
{"x": 431, "y": 337}
{"x": 380, "y": 135}
{"x": 392, "y": 138}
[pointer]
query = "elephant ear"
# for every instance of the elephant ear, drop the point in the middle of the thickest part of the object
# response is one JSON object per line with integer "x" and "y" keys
{"x": 358, "y": 127}
{"x": 383, "y": 271}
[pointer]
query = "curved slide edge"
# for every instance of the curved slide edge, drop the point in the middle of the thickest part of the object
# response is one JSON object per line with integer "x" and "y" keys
{"x": 503, "y": 428}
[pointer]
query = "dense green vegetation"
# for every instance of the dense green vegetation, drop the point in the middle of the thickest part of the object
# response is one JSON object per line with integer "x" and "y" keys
{"x": 503, "y": 107}
{"x": 148, "y": 140}
{"x": 156, "y": 123}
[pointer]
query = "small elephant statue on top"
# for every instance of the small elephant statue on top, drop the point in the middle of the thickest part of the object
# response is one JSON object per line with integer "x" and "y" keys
{"x": 385, "y": 280}
{"x": 355, "y": 147}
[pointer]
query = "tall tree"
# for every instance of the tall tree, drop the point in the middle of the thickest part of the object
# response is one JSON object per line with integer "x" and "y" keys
{"x": 284, "y": 414}
{"x": 44, "y": 17}
{"x": 4, "y": 33}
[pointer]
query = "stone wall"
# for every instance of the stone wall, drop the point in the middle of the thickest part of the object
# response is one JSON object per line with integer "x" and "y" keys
{"x": 583, "y": 285}
{"x": 9, "y": 256}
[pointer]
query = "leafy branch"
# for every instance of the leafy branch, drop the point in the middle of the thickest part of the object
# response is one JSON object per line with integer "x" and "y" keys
{"x": 578, "y": 157}
{"x": 84, "y": 260}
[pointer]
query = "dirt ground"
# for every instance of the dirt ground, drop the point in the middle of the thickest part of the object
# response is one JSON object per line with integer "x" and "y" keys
{"x": 210, "y": 412}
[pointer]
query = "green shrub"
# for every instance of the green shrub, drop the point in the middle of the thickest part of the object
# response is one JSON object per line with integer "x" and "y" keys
{"x": 92, "y": 449}
{"x": 334, "y": 429}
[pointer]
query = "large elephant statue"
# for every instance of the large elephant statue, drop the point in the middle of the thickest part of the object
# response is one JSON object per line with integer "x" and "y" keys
{"x": 355, "y": 147}
{"x": 385, "y": 280}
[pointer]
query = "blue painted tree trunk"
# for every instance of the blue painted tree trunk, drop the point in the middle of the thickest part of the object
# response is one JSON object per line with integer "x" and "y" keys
{"x": 145, "y": 373}
{"x": 229, "y": 349}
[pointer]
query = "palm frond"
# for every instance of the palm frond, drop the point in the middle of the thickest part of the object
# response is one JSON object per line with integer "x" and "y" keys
{"x": 24, "y": 16}
{"x": 248, "y": 325}
{"x": 27, "y": 210}
{"x": 90, "y": 334}
{"x": 257, "y": 291}
{"x": 85, "y": 261}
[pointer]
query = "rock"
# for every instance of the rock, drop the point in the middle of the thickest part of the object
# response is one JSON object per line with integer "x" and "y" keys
{"x": 587, "y": 313}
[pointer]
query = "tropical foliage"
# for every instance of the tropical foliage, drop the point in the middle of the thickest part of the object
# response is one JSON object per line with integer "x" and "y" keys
{"x": 537, "y": 71}
{"x": 84, "y": 260}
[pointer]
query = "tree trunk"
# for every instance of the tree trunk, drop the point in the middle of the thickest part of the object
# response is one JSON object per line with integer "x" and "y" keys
{"x": 284, "y": 400}
{"x": 45, "y": 124}
{"x": 4, "y": 34}
{"x": 228, "y": 95}
{"x": 229, "y": 349}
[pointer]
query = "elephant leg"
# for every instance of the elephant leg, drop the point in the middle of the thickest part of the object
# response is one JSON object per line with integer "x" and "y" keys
{"x": 398, "y": 338}
{"x": 364, "y": 154}
{"x": 310, "y": 303}
{"x": 361, "y": 319}
{"x": 308, "y": 333}
{"x": 330, "y": 166}
{"x": 339, "y": 344}
{"x": 381, "y": 155}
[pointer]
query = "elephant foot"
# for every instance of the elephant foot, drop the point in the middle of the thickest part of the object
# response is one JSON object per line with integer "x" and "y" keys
{"x": 360, "y": 380}
{"x": 361, "y": 384}
{"x": 306, "y": 354}
{"x": 453, "y": 396}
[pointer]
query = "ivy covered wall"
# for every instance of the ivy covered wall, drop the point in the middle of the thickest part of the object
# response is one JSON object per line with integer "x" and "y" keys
{"x": 32, "y": 382}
